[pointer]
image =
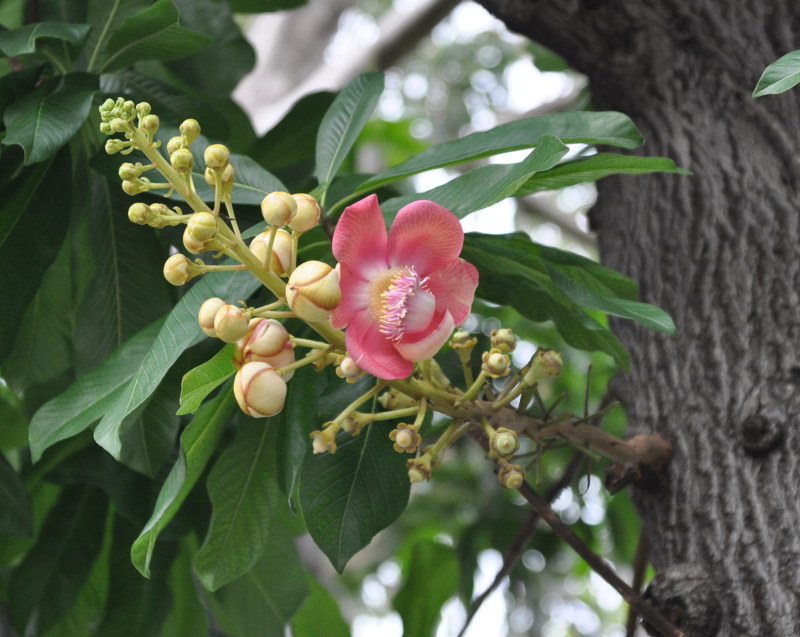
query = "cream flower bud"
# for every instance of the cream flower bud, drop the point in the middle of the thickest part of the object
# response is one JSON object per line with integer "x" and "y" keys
{"x": 227, "y": 175}
{"x": 495, "y": 363}
{"x": 174, "y": 144}
{"x": 406, "y": 438}
{"x": 217, "y": 156}
{"x": 202, "y": 226}
{"x": 265, "y": 338}
{"x": 133, "y": 187}
{"x": 504, "y": 339}
{"x": 178, "y": 269}
{"x": 278, "y": 208}
{"x": 505, "y": 442}
{"x": 281, "y": 250}
{"x": 324, "y": 441}
{"x": 313, "y": 291}
{"x": 308, "y": 213}
{"x": 230, "y": 323}
{"x": 141, "y": 213}
{"x": 259, "y": 390}
{"x": 190, "y": 129}
{"x": 546, "y": 363}
{"x": 207, "y": 314}
{"x": 463, "y": 340}
{"x": 348, "y": 369}
{"x": 511, "y": 476}
{"x": 192, "y": 245}
{"x": 182, "y": 161}
{"x": 419, "y": 469}
{"x": 149, "y": 123}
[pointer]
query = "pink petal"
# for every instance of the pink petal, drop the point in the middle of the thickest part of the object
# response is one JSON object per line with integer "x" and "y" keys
{"x": 425, "y": 235}
{"x": 355, "y": 297}
{"x": 429, "y": 344}
{"x": 372, "y": 352}
{"x": 454, "y": 288}
{"x": 359, "y": 240}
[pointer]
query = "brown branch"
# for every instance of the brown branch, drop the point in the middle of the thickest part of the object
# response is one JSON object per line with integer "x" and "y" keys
{"x": 639, "y": 568}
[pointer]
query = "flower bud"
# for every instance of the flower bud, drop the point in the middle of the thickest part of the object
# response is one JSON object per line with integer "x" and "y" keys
{"x": 106, "y": 129}
{"x": 149, "y": 124}
{"x": 313, "y": 291}
{"x": 202, "y": 226}
{"x": 419, "y": 469}
{"x": 265, "y": 338}
{"x": 192, "y": 245}
{"x": 174, "y": 144}
{"x": 230, "y": 323}
{"x": 119, "y": 125}
{"x": 217, "y": 156}
{"x": 178, "y": 269}
{"x": 324, "y": 441}
{"x": 406, "y": 438}
{"x": 308, "y": 212}
{"x": 190, "y": 129}
{"x": 504, "y": 442}
{"x": 348, "y": 369}
{"x": 228, "y": 174}
{"x": 281, "y": 250}
{"x": 115, "y": 145}
{"x": 546, "y": 363}
{"x": 394, "y": 399}
{"x": 495, "y": 363}
{"x": 463, "y": 340}
{"x": 278, "y": 208}
{"x": 128, "y": 171}
{"x": 182, "y": 161}
{"x": 207, "y": 314}
{"x": 133, "y": 187}
{"x": 143, "y": 109}
{"x": 141, "y": 213}
{"x": 504, "y": 339}
{"x": 259, "y": 390}
{"x": 511, "y": 476}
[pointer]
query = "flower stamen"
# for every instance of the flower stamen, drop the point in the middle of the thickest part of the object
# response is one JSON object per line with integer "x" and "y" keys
{"x": 407, "y": 304}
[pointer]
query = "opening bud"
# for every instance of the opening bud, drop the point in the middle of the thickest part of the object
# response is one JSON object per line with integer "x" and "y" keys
{"x": 504, "y": 442}
{"x": 192, "y": 245}
{"x": 348, "y": 369}
{"x": 511, "y": 476}
{"x": 190, "y": 129}
{"x": 546, "y": 363}
{"x": 207, "y": 314}
{"x": 495, "y": 363}
{"x": 178, "y": 269}
{"x": 308, "y": 212}
{"x": 259, "y": 390}
{"x": 406, "y": 438}
{"x": 278, "y": 208}
{"x": 281, "y": 250}
{"x": 268, "y": 341}
{"x": 230, "y": 323}
{"x": 420, "y": 469}
{"x": 324, "y": 441}
{"x": 313, "y": 291}
{"x": 217, "y": 156}
{"x": 202, "y": 226}
{"x": 504, "y": 339}
{"x": 182, "y": 161}
{"x": 149, "y": 124}
{"x": 141, "y": 213}
{"x": 174, "y": 144}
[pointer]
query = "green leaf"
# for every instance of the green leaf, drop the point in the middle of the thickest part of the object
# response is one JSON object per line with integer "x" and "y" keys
{"x": 431, "y": 579}
{"x": 485, "y": 186}
{"x": 780, "y": 76}
{"x": 46, "y": 583}
{"x": 45, "y": 120}
{"x": 348, "y": 496}
{"x": 91, "y": 396}
{"x": 547, "y": 60}
{"x": 105, "y": 17}
{"x": 15, "y": 510}
{"x": 203, "y": 379}
{"x": 583, "y": 127}
{"x": 152, "y": 34}
{"x": 240, "y": 491}
{"x": 263, "y": 600}
{"x": 343, "y": 122}
{"x": 597, "y": 167}
{"x": 198, "y": 442}
{"x": 187, "y": 615}
{"x": 14, "y": 432}
{"x": 178, "y": 333}
{"x": 263, "y": 6}
{"x": 319, "y": 616}
{"x": 25, "y": 39}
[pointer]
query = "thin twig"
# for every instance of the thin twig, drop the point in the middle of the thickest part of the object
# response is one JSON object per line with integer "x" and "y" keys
{"x": 639, "y": 568}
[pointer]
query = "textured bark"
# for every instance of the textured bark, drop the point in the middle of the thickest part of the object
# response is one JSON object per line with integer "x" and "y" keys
{"x": 720, "y": 251}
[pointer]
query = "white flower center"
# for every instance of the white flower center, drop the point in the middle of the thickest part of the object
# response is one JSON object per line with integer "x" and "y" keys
{"x": 406, "y": 303}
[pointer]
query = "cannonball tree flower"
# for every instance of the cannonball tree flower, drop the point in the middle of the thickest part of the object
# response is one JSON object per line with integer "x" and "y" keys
{"x": 402, "y": 294}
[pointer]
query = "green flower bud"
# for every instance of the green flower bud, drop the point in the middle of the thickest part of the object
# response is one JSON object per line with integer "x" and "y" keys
{"x": 119, "y": 125}
{"x": 129, "y": 172}
{"x": 313, "y": 291}
{"x": 182, "y": 161}
{"x": 278, "y": 208}
{"x": 106, "y": 129}
{"x": 190, "y": 129}
{"x": 133, "y": 187}
{"x": 143, "y": 109}
{"x": 230, "y": 323}
{"x": 140, "y": 213}
{"x": 462, "y": 340}
{"x": 202, "y": 226}
{"x": 259, "y": 389}
{"x": 178, "y": 269}
{"x": 207, "y": 314}
{"x": 192, "y": 245}
{"x": 495, "y": 363}
{"x": 504, "y": 339}
{"x": 217, "y": 156}
{"x": 504, "y": 442}
{"x": 308, "y": 212}
{"x": 115, "y": 145}
{"x": 174, "y": 144}
{"x": 546, "y": 363}
{"x": 129, "y": 107}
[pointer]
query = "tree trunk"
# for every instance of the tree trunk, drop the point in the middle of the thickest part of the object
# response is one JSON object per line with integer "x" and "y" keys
{"x": 719, "y": 250}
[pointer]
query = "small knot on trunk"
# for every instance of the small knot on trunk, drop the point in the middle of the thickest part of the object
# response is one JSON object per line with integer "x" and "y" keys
{"x": 686, "y": 596}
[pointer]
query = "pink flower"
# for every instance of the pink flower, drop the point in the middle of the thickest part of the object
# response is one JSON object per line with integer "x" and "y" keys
{"x": 402, "y": 295}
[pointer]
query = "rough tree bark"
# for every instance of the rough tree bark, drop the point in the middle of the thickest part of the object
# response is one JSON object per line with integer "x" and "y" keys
{"x": 720, "y": 251}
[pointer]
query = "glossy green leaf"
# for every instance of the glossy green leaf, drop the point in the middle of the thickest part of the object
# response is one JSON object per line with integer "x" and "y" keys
{"x": 45, "y": 120}
{"x": 431, "y": 579}
{"x": 15, "y": 510}
{"x": 46, "y": 583}
{"x": 583, "y": 127}
{"x": 261, "y": 6}
{"x": 597, "y": 167}
{"x": 203, "y": 379}
{"x": 780, "y": 76}
{"x": 25, "y": 39}
{"x": 487, "y": 185}
{"x": 342, "y": 123}
{"x": 105, "y": 17}
{"x": 179, "y": 332}
{"x": 14, "y": 432}
{"x": 547, "y": 60}
{"x": 153, "y": 34}
{"x": 319, "y": 616}
{"x": 198, "y": 442}
{"x": 241, "y": 498}
{"x": 187, "y": 615}
{"x": 263, "y": 600}
{"x": 349, "y": 496}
